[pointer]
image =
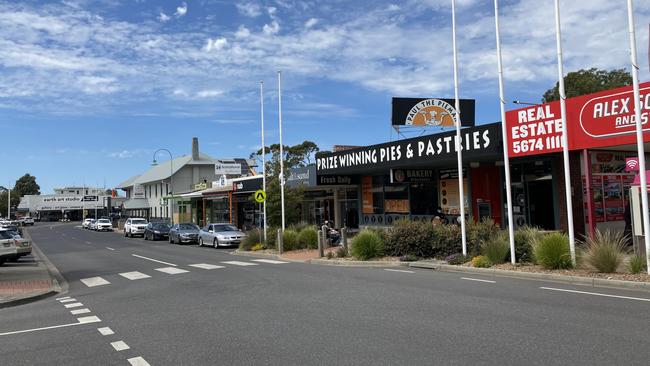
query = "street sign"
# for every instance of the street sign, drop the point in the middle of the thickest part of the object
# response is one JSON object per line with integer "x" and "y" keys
{"x": 260, "y": 196}
{"x": 90, "y": 198}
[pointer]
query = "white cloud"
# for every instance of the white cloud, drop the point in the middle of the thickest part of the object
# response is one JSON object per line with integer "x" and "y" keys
{"x": 209, "y": 93}
{"x": 163, "y": 17}
{"x": 249, "y": 9}
{"x": 270, "y": 29}
{"x": 271, "y": 10}
{"x": 126, "y": 154}
{"x": 215, "y": 44}
{"x": 311, "y": 22}
{"x": 181, "y": 10}
{"x": 242, "y": 32}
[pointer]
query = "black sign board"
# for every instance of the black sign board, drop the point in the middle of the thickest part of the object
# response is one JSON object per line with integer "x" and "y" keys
{"x": 431, "y": 112}
{"x": 337, "y": 180}
{"x": 247, "y": 185}
{"x": 90, "y": 198}
{"x": 305, "y": 176}
{"x": 411, "y": 175}
{"x": 478, "y": 142}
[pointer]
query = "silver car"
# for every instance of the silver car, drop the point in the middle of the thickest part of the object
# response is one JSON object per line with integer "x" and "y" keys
{"x": 218, "y": 235}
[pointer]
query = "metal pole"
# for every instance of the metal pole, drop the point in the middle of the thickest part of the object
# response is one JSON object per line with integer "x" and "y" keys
{"x": 263, "y": 154}
{"x": 504, "y": 133}
{"x": 171, "y": 185}
{"x": 565, "y": 138}
{"x": 639, "y": 133}
{"x": 9, "y": 203}
{"x": 459, "y": 153}
{"x": 281, "y": 148}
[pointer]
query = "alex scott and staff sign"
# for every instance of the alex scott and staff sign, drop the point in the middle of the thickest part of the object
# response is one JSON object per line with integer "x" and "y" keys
{"x": 432, "y": 150}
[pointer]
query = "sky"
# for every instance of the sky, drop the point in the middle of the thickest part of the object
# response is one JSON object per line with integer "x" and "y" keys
{"x": 90, "y": 89}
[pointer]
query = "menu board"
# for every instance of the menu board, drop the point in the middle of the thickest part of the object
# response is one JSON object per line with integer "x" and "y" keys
{"x": 366, "y": 195}
{"x": 613, "y": 197}
{"x": 450, "y": 196}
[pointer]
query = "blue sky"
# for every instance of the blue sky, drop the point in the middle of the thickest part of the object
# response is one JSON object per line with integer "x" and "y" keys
{"x": 89, "y": 89}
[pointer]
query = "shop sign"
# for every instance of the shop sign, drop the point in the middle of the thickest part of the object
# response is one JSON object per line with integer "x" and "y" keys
{"x": 411, "y": 175}
{"x": 337, "y": 180}
{"x": 431, "y": 112}
{"x": 248, "y": 185}
{"x": 138, "y": 191}
{"x": 632, "y": 164}
{"x": 438, "y": 149}
{"x": 200, "y": 186}
{"x": 305, "y": 176}
{"x": 227, "y": 168}
{"x": 91, "y": 198}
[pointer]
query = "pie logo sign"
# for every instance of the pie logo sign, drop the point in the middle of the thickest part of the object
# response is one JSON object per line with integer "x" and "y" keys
{"x": 431, "y": 112}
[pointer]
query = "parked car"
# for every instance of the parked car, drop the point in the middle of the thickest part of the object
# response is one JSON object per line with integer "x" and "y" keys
{"x": 8, "y": 246}
{"x": 134, "y": 226}
{"x": 13, "y": 229}
{"x": 87, "y": 223}
{"x": 93, "y": 225}
{"x": 25, "y": 221}
{"x": 156, "y": 231}
{"x": 220, "y": 235}
{"x": 184, "y": 233}
{"x": 103, "y": 225}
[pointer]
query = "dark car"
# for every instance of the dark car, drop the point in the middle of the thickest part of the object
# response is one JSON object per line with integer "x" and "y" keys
{"x": 184, "y": 233}
{"x": 156, "y": 231}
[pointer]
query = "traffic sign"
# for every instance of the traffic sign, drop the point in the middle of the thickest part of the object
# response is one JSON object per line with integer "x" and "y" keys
{"x": 260, "y": 196}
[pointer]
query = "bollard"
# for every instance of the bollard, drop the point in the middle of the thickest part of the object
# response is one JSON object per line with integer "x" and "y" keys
{"x": 280, "y": 243}
{"x": 321, "y": 251}
{"x": 324, "y": 231}
{"x": 344, "y": 239}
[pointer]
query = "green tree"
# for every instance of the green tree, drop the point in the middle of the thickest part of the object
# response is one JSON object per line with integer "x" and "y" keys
{"x": 26, "y": 185}
{"x": 583, "y": 82}
{"x": 15, "y": 200}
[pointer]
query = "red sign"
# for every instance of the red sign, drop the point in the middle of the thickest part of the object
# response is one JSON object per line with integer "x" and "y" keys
{"x": 632, "y": 164}
{"x": 596, "y": 120}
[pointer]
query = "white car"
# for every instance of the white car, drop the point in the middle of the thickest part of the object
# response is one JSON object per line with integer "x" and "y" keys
{"x": 8, "y": 246}
{"x": 134, "y": 226}
{"x": 87, "y": 222}
{"x": 103, "y": 225}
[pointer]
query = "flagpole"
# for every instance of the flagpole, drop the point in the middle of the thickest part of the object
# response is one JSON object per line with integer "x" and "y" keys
{"x": 459, "y": 153}
{"x": 639, "y": 132}
{"x": 504, "y": 133}
{"x": 565, "y": 143}
{"x": 281, "y": 148}
{"x": 263, "y": 154}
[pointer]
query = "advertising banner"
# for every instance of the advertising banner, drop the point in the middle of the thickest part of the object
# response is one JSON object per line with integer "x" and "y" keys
{"x": 431, "y": 112}
{"x": 138, "y": 191}
{"x": 411, "y": 175}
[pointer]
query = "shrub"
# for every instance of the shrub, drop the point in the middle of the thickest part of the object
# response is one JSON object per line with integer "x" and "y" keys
{"x": 330, "y": 255}
{"x": 525, "y": 239}
{"x": 257, "y": 247}
{"x": 479, "y": 232}
{"x": 637, "y": 264}
{"x": 457, "y": 258}
{"x": 496, "y": 248}
{"x": 605, "y": 250}
{"x": 408, "y": 258}
{"x": 552, "y": 251}
{"x": 447, "y": 241}
{"x": 481, "y": 261}
{"x": 308, "y": 238}
{"x": 290, "y": 240}
{"x": 410, "y": 237}
{"x": 341, "y": 252}
{"x": 366, "y": 245}
{"x": 272, "y": 238}
{"x": 252, "y": 238}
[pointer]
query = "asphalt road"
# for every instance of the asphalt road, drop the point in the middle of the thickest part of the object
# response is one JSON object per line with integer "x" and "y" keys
{"x": 300, "y": 314}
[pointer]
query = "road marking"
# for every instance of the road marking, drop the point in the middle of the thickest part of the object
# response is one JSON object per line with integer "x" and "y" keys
{"x": 596, "y": 294}
{"x": 238, "y": 263}
{"x": 120, "y": 346}
{"x": 81, "y": 321}
{"x": 88, "y": 242}
{"x": 67, "y": 300}
{"x": 134, "y": 275}
{"x": 94, "y": 281}
{"x": 138, "y": 361}
{"x": 155, "y": 260}
{"x": 171, "y": 270}
{"x": 75, "y": 305}
{"x": 88, "y": 319}
{"x": 398, "y": 270}
{"x": 105, "y": 331}
{"x": 80, "y": 311}
{"x": 270, "y": 261}
{"x": 109, "y": 248}
{"x": 62, "y": 298}
{"x": 477, "y": 280}
{"x": 205, "y": 266}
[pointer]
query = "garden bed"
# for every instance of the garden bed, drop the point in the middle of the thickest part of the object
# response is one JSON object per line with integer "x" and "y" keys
{"x": 580, "y": 272}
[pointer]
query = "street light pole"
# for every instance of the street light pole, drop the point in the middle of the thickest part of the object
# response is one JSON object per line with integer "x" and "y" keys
{"x": 171, "y": 182}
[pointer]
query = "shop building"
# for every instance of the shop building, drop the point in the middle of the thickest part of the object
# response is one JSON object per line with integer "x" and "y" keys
{"x": 71, "y": 203}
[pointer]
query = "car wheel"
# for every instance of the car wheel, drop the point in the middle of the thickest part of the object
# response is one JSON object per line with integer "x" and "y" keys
{"x": 200, "y": 242}
{"x": 125, "y": 235}
{"x": 144, "y": 236}
{"x": 170, "y": 239}
{"x": 215, "y": 243}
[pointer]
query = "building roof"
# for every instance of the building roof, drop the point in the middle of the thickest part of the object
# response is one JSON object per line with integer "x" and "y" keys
{"x": 162, "y": 170}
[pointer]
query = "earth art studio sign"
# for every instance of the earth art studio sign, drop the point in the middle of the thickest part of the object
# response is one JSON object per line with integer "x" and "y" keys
{"x": 476, "y": 142}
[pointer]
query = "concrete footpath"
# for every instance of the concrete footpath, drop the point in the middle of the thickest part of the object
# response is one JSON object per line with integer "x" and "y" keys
{"x": 31, "y": 278}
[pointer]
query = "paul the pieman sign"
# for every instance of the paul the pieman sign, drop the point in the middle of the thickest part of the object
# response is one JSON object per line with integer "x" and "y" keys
{"x": 596, "y": 120}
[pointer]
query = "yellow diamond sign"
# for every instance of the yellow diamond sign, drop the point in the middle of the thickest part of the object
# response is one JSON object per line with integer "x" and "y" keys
{"x": 260, "y": 196}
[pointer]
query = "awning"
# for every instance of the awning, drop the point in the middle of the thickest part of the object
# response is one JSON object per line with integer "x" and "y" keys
{"x": 136, "y": 204}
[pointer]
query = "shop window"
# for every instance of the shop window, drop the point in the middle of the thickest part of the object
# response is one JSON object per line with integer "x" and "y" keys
{"x": 378, "y": 194}
{"x": 156, "y": 190}
{"x": 396, "y": 199}
{"x": 424, "y": 198}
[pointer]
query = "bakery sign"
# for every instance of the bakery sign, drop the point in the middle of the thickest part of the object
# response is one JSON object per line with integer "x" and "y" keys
{"x": 431, "y": 112}
{"x": 596, "y": 120}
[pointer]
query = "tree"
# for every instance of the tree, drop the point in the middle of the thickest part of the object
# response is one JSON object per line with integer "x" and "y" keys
{"x": 15, "y": 200}
{"x": 583, "y": 82}
{"x": 26, "y": 185}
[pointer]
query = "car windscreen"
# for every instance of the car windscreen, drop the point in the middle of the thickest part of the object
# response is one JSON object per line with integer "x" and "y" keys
{"x": 103, "y": 221}
{"x": 6, "y": 235}
{"x": 187, "y": 227}
{"x": 219, "y": 228}
{"x": 139, "y": 222}
{"x": 160, "y": 226}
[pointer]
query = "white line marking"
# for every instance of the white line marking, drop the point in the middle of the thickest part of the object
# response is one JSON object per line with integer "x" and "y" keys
{"x": 80, "y": 311}
{"x": 109, "y": 248}
{"x": 398, "y": 270}
{"x": 270, "y": 261}
{"x": 62, "y": 298}
{"x": 94, "y": 281}
{"x": 67, "y": 300}
{"x": 477, "y": 280}
{"x": 75, "y": 305}
{"x": 120, "y": 346}
{"x": 596, "y": 294}
{"x": 138, "y": 361}
{"x": 243, "y": 264}
{"x": 105, "y": 331}
{"x": 155, "y": 260}
{"x": 134, "y": 275}
{"x": 206, "y": 266}
{"x": 171, "y": 270}
{"x": 88, "y": 319}
{"x": 88, "y": 242}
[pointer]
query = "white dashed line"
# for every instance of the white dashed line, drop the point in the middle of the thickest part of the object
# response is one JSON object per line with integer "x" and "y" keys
{"x": 88, "y": 319}
{"x": 205, "y": 266}
{"x": 171, "y": 270}
{"x": 80, "y": 311}
{"x": 109, "y": 248}
{"x": 596, "y": 294}
{"x": 120, "y": 346}
{"x": 270, "y": 261}
{"x": 67, "y": 300}
{"x": 75, "y": 305}
{"x": 105, "y": 331}
{"x": 94, "y": 281}
{"x": 155, "y": 260}
{"x": 238, "y": 263}
{"x": 477, "y": 280}
{"x": 134, "y": 275}
{"x": 398, "y": 270}
{"x": 62, "y": 298}
{"x": 138, "y": 361}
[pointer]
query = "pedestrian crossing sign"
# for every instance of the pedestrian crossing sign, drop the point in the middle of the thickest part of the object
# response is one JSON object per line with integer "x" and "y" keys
{"x": 260, "y": 196}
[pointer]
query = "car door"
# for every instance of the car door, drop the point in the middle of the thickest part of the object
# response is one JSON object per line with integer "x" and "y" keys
{"x": 173, "y": 232}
